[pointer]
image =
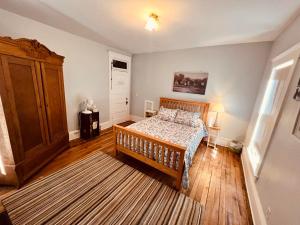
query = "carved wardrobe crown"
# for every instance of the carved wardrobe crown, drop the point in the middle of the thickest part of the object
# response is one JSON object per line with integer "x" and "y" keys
{"x": 32, "y": 48}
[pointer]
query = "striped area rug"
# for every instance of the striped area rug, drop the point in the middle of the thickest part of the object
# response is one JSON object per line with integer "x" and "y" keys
{"x": 100, "y": 190}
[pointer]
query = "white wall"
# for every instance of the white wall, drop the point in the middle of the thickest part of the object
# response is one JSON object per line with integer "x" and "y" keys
{"x": 235, "y": 72}
{"x": 279, "y": 180}
{"x": 85, "y": 67}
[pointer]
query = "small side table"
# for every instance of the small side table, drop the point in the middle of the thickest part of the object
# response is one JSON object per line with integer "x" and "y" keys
{"x": 213, "y": 136}
{"x": 89, "y": 124}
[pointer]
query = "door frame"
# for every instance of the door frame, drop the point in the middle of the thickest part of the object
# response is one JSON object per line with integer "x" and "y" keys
{"x": 292, "y": 53}
{"x": 122, "y": 57}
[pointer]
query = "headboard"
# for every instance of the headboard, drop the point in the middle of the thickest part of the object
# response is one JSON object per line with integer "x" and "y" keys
{"x": 187, "y": 105}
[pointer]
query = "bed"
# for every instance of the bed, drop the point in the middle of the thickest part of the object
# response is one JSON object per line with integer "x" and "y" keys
{"x": 167, "y": 146}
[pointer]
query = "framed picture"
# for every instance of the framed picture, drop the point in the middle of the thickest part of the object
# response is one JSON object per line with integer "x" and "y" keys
{"x": 297, "y": 93}
{"x": 296, "y": 131}
{"x": 194, "y": 83}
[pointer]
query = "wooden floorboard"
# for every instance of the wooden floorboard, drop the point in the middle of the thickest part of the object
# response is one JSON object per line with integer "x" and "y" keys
{"x": 216, "y": 178}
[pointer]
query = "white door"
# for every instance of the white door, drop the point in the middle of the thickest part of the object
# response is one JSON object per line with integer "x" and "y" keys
{"x": 277, "y": 85}
{"x": 119, "y": 85}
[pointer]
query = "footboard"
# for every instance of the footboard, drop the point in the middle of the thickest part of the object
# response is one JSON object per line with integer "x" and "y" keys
{"x": 162, "y": 155}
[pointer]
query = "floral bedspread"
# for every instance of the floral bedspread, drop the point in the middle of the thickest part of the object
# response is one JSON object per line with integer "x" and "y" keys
{"x": 186, "y": 136}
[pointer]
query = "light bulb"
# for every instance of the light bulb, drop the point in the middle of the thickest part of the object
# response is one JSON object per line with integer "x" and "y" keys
{"x": 152, "y": 23}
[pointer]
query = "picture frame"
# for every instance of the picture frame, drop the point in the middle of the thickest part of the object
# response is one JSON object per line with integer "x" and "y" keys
{"x": 193, "y": 83}
{"x": 297, "y": 93}
{"x": 296, "y": 131}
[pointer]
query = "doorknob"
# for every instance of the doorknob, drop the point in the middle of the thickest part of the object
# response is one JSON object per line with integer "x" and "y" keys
{"x": 126, "y": 101}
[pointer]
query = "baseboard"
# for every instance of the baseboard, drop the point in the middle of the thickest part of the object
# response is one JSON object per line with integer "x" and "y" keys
{"x": 106, "y": 125}
{"x": 120, "y": 120}
{"x": 76, "y": 134}
{"x": 223, "y": 141}
{"x": 257, "y": 211}
{"x": 136, "y": 118}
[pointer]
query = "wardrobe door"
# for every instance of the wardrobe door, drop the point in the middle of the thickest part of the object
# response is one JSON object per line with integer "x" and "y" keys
{"x": 52, "y": 76}
{"x": 26, "y": 117}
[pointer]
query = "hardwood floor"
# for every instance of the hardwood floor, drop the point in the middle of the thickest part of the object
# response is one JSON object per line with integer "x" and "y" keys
{"x": 216, "y": 178}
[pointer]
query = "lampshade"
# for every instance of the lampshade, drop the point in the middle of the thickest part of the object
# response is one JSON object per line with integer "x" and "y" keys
{"x": 217, "y": 107}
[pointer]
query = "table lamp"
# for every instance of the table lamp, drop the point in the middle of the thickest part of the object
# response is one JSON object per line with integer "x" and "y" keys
{"x": 218, "y": 108}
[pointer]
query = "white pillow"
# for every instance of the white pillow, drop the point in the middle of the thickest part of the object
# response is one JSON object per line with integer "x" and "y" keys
{"x": 188, "y": 118}
{"x": 167, "y": 114}
{"x": 197, "y": 123}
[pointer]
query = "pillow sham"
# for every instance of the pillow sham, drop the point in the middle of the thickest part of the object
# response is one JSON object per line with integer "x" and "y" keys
{"x": 167, "y": 114}
{"x": 197, "y": 123}
{"x": 188, "y": 118}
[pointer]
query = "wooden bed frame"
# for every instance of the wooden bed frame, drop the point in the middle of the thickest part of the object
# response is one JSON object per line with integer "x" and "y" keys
{"x": 123, "y": 140}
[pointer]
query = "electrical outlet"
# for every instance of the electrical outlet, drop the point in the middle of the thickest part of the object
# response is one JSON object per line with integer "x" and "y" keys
{"x": 268, "y": 213}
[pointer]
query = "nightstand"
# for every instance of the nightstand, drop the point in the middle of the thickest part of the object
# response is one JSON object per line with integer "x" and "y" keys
{"x": 213, "y": 136}
{"x": 148, "y": 109}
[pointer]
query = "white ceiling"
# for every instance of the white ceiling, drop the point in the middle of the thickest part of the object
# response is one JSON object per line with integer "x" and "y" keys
{"x": 183, "y": 23}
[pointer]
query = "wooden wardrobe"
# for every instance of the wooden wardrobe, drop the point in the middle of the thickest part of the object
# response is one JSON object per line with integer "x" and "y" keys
{"x": 33, "y": 124}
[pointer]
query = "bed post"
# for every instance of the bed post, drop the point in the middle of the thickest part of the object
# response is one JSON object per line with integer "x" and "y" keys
{"x": 180, "y": 172}
{"x": 115, "y": 153}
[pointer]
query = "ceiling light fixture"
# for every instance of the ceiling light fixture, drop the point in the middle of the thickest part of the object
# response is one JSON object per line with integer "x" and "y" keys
{"x": 152, "y": 22}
